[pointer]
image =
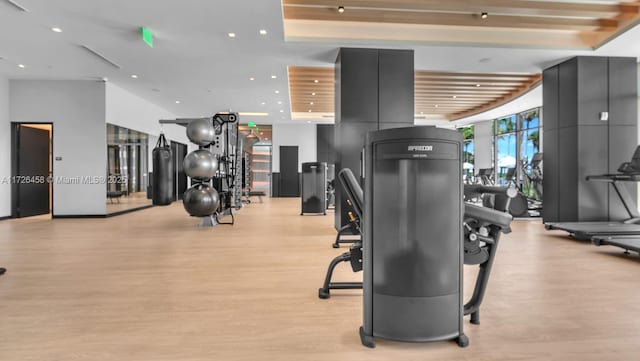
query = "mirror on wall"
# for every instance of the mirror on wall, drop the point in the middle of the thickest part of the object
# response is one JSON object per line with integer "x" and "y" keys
{"x": 127, "y": 169}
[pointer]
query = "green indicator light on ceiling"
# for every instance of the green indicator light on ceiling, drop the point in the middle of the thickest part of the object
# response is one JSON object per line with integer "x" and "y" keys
{"x": 147, "y": 36}
{"x": 251, "y": 124}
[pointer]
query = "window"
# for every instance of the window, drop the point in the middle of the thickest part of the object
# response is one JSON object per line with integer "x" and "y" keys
{"x": 517, "y": 138}
{"x": 506, "y": 147}
{"x": 468, "y": 152}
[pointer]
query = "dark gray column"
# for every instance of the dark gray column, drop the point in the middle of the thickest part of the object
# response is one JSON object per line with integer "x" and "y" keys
{"x": 374, "y": 90}
{"x": 577, "y": 143}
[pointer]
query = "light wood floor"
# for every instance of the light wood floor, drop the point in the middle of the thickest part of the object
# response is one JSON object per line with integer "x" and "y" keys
{"x": 133, "y": 200}
{"x": 152, "y": 286}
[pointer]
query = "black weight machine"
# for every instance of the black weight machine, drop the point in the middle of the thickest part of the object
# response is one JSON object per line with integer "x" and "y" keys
{"x": 482, "y": 230}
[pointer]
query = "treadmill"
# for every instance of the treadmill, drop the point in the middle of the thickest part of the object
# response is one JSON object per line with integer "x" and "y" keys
{"x": 624, "y": 234}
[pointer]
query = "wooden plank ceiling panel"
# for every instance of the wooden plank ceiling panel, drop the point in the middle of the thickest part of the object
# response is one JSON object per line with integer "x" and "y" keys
{"x": 453, "y": 95}
{"x": 592, "y": 23}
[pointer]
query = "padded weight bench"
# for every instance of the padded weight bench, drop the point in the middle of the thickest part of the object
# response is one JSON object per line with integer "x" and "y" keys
{"x": 114, "y": 195}
{"x": 258, "y": 194}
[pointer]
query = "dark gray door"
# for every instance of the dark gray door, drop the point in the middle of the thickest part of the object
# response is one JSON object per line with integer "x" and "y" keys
{"x": 289, "y": 178}
{"x": 30, "y": 171}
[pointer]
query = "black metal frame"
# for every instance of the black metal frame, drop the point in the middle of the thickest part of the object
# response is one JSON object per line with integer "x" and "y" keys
{"x": 482, "y": 230}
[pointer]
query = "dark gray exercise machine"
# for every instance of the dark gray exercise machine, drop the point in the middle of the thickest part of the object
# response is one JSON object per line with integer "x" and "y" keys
{"x": 482, "y": 229}
{"x": 607, "y": 230}
{"x": 354, "y": 255}
{"x": 314, "y": 188}
{"x": 350, "y": 229}
{"x": 413, "y": 242}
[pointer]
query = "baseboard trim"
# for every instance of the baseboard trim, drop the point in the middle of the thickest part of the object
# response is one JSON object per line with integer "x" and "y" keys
{"x": 119, "y": 213}
{"x": 5, "y": 218}
{"x": 64, "y": 216}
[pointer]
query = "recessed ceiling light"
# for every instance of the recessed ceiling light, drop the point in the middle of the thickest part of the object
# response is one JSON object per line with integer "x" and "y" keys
{"x": 313, "y": 94}
{"x": 455, "y": 96}
{"x": 310, "y": 103}
{"x": 309, "y": 110}
{"x": 484, "y": 15}
{"x": 232, "y": 35}
{"x": 252, "y": 78}
{"x": 421, "y": 112}
{"x": 281, "y": 111}
{"x": 22, "y": 66}
{"x": 177, "y": 102}
{"x": 316, "y": 81}
{"x": 56, "y": 30}
{"x": 340, "y": 9}
{"x": 279, "y": 102}
{"x": 477, "y": 85}
{"x": 263, "y": 103}
{"x": 261, "y": 133}
{"x": 436, "y": 105}
{"x": 277, "y": 91}
{"x": 273, "y": 77}
{"x": 308, "y": 122}
{"x": 263, "y": 32}
{"x": 134, "y": 76}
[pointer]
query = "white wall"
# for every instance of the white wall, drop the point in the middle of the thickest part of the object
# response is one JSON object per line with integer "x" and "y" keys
{"x": 483, "y": 135}
{"x": 302, "y": 135}
{"x": 77, "y": 111}
{"x": 5, "y": 149}
{"x": 128, "y": 110}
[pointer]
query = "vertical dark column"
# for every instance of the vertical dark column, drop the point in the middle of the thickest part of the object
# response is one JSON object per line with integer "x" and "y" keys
{"x": 289, "y": 176}
{"x": 550, "y": 181}
{"x": 374, "y": 90}
{"x": 325, "y": 144}
{"x": 578, "y": 142}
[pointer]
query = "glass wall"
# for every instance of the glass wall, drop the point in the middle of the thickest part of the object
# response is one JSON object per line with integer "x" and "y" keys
{"x": 506, "y": 148}
{"x": 516, "y": 139}
{"x": 127, "y": 168}
{"x": 468, "y": 152}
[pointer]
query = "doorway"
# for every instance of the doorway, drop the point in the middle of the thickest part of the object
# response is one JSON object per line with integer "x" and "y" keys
{"x": 31, "y": 169}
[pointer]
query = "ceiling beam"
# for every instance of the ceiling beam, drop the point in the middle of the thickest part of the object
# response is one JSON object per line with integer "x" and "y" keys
{"x": 447, "y": 19}
{"x": 584, "y": 9}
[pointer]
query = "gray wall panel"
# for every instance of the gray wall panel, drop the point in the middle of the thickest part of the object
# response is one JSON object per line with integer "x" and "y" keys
{"x": 551, "y": 176}
{"x": 593, "y": 92}
{"x": 621, "y": 144}
{"x": 567, "y": 94}
{"x": 623, "y": 86}
{"x": 550, "y": 98}
{"x": 592, "y": 202}
{"x": 396, "y": 91}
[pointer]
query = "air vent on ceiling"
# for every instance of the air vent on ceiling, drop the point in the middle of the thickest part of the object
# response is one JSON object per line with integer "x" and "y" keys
{"x": 17, "y": 6}
{"x": 104, "y": 58}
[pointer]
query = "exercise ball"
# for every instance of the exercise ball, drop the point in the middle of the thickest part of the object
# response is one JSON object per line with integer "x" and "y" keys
{"x": 201, "y": 131}
{"x": 200, "y": 164}
{"x": 201, "y": 200}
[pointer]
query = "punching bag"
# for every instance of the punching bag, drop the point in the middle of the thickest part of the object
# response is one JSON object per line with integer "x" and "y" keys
{"x": 162, "y": 190}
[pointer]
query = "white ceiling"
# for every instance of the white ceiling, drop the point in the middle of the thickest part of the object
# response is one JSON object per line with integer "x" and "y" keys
{"x": 194, "y": 61}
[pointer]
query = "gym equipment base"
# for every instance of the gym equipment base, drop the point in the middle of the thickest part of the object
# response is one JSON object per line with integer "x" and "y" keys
{"x": 584, "y": 231}
{"x": 628, "y": 243}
